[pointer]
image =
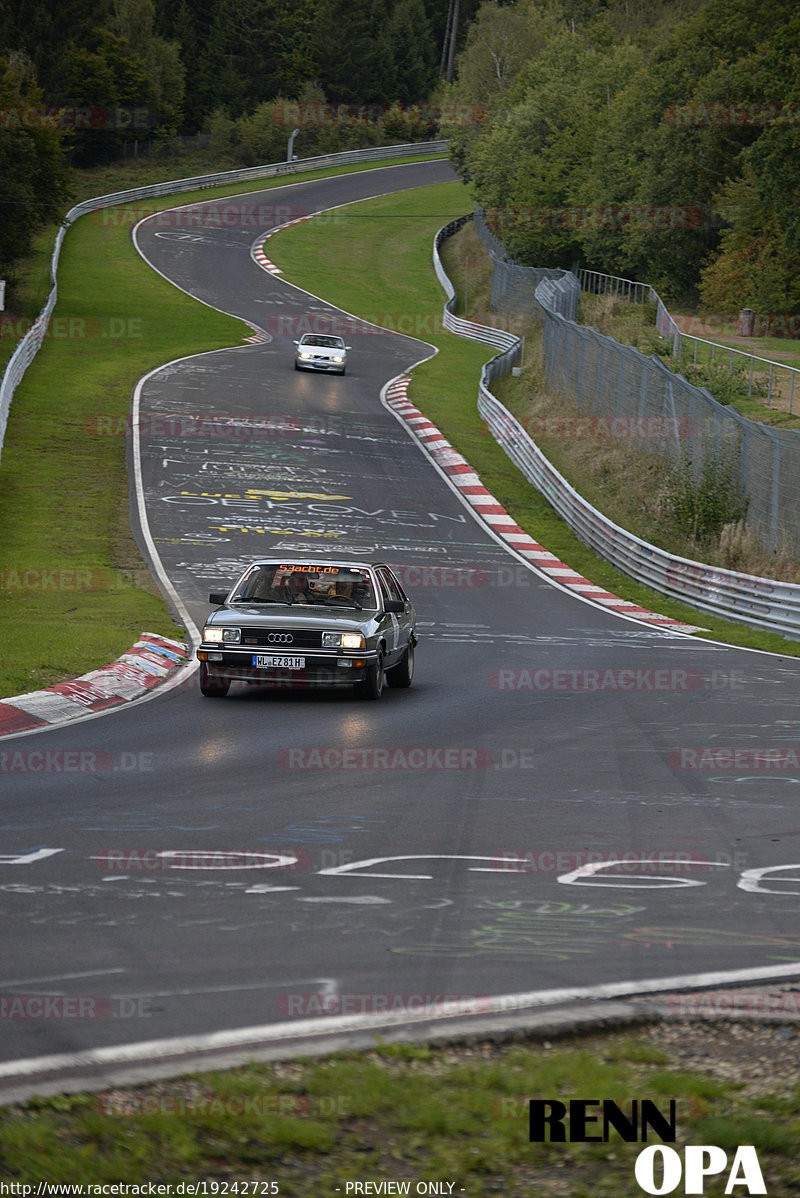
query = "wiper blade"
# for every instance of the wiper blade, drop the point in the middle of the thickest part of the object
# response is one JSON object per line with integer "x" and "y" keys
{"x": 283, "y": 602}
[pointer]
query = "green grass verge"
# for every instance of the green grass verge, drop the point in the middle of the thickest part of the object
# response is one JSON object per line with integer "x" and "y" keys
{"x": 387, "y": 244}
{"x": 405, "y": 1113}
{"x": 74, "y": 592}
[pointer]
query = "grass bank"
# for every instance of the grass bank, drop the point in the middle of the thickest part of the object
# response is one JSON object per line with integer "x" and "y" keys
{"x": 413, "y": 1114}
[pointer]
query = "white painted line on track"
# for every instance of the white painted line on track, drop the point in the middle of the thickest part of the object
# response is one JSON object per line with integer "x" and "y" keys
{"x": 303, "y": 1029}
{"x": 59, "y": 977}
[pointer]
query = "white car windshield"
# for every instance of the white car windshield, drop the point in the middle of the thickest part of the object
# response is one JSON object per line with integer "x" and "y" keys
{"x": 323, "y": 342}
{"x": 306, "y": 582}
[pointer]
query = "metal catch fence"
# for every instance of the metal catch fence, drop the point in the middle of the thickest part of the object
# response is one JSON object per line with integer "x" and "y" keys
{"x": 638, "y": 399}
{"x": 586, "y": 360}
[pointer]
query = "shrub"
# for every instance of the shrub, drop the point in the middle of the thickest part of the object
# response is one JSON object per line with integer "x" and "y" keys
{"x": 701, "y": 502}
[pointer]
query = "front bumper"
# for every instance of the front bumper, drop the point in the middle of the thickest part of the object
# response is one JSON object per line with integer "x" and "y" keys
{"x": 319, "y": 364}
{"x": 319, "y": 668}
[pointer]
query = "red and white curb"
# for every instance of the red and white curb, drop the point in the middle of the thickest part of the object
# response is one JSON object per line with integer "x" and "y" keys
{"x": 463, "y": 476}
{"x": 146, "y": 664}
{"x": 258, "y": 250}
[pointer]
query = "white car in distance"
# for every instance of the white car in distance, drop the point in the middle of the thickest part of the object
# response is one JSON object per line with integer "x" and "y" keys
{"x": 316, "y": 351}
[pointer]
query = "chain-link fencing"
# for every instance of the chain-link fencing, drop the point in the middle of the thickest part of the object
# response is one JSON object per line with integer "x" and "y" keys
{"x": 763, "y": 602}
{"x": 641, "y": 402}
{"x": 513, "y": 286}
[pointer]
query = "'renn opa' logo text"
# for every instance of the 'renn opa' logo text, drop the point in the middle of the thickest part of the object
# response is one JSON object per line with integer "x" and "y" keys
{"x": 659, "y": 1169}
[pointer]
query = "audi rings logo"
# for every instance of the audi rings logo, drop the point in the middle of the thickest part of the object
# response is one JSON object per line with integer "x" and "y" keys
{"x": 280, "y": 638}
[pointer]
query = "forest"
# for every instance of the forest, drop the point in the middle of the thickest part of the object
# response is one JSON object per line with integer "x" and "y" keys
{"x": 656, "y": 139}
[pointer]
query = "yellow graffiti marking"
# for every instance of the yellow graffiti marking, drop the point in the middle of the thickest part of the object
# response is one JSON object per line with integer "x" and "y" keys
{"x": 294, "y": 494}
{"x": 284, "y": 532}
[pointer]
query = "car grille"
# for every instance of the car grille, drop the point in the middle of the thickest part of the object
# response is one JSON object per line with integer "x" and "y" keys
{"x": 282, "y": 638}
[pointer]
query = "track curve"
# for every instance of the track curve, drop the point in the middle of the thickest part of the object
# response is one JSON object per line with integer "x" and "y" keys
{"x": 439, "y": 835}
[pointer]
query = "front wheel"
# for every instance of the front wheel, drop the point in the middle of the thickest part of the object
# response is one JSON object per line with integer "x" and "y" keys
{"x": 403, "y": 672}
{"x": 213, "y": 686}
{"x": 372, "y": 686}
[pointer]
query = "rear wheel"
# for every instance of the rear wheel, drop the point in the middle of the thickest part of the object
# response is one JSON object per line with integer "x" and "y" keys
{"x": 213, "y": 686}
{"x": 403, "y": 672}
{"x": 372, "y": 686}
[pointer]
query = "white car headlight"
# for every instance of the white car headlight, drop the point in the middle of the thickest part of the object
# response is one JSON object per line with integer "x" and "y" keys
{"x": 338, "y": 358}
{"x": 343, "y": 640}
{"x": 353, "y": 640}
{"x": 305, "y": 356}
{"x": 216, "y": 636}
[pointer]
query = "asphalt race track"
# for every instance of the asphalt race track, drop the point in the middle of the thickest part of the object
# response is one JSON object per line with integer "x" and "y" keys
{"x": 431, "y": 841}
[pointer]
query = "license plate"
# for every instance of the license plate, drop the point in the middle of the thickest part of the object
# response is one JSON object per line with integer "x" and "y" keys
{"x": 270, "y": 661}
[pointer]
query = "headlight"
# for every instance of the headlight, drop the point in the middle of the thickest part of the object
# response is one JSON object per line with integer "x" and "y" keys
{"x": 305, "y": 357}
{"x": 216, "y": 636}
{"x": 338, "y": 358}
{"x": 343, "y": 640}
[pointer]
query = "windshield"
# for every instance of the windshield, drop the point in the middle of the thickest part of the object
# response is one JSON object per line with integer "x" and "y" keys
{"x": 306, "y": 582}
{"x": 323, "y": 342}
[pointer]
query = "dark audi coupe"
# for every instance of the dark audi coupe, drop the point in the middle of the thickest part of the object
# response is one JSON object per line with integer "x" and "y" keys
{"x": 297, "y": 623}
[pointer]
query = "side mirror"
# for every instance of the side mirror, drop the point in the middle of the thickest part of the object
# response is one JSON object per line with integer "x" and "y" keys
{"x": 295, "y": 343}
{"x": 394, "y": 606}
{"x": 218, "y": 597}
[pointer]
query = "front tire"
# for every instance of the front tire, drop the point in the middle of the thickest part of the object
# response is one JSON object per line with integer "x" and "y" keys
{"x": 372, "y": 686}
{"x": 401, "y": 674}
{"x": 213, "y": 686}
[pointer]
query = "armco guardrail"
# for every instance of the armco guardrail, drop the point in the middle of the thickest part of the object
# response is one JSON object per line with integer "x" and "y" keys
{"x": 29, "y": 345}
{"x": 759, "y": 602}
{"x": 510, "y": 346}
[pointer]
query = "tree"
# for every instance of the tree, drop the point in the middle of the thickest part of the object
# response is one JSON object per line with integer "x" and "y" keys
{"x": 413, "y": 51}
{"x": 255, "y": 50}
{"x": 110, "y": 81}
{"x": 355, "y": 52}
{"x": 34, "y": 183}
{"x": 43, "y": 30}
{"x": 635, "y": 134}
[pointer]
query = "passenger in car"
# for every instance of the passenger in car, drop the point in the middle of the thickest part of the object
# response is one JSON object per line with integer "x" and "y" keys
{"x": 297, "y": 585}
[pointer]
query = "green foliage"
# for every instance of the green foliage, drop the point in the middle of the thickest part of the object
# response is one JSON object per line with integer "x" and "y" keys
{"x": 413, "y": 51}
{"x": 729, "y": 382}
{"x": 221, "y": 129}
{"x": 179, "y": 61}
{"x": 700, "y": 502}
{"x": 758, "y": 263}
{"x": 261, "y": 136}
{"x": 33, "y": 175}
{"x": 612, "y": 129}
{"x": 727, "y": 386}
{"x": 354, "y": 51}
